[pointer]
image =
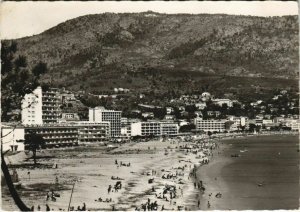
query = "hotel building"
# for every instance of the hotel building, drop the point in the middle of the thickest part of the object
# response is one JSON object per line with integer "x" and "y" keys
{"x": 41, "y": 107}
{"x": 55, "y": 135}
{"x": 154, "y": 128}
{"x": 71, "y": 133}
{"x": 100, "y": 114}
{"x": 93, "y": 131}
{"x": 210, "y": 125}
{"x": 169, "y": 128}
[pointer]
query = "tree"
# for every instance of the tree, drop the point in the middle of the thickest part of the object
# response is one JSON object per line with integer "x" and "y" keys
{"x": 11, "y": 187}
{"x": 16, "y": 81}
{"x": 252, "y": 127}
{"x": 187, "y": 128}
{"x": 209, "y": 133}
{"x": 34, "y": 142}
{"x": 159, "y": 112}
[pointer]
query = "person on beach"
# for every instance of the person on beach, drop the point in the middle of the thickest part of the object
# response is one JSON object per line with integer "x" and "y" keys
{"x": 47, "y": 207}
{"x": 83, "y": 207}
{"x": 208, "y": 204}
{"x": 199, "y": 185}
{"x": 109, "y": 189}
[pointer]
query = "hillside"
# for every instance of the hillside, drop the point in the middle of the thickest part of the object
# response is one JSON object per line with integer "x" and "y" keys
{"x": 158, "y": 51}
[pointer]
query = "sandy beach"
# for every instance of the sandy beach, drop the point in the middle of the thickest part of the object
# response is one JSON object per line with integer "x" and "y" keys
{"x": 152, "y": 170}
{"x": 92, "y": 167}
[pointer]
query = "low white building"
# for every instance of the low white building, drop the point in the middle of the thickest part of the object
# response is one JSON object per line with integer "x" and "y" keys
{"x": 294, "y": 124}
{"x": 169, "y": 117}
{"x": 145, "y": 129}
{"x": 267, "y": 121}
{"x": 169, "y": 110}
{"x": 220, "y": 102}
{"x": 200, "y": 105}
{"x": 12, "y": 138}
{"x": 238, "y": 122}
{"x": 211, "y": 125}
{"x": 148, "y": 115}
{"x": 155, "y": 128}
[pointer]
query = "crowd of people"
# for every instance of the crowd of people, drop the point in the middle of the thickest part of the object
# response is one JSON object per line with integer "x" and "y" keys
{"x": 166, "y": 197}
{"x": 171, "y": 191}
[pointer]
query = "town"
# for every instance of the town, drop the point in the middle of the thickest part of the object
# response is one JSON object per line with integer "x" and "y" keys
{"x": 150, "y": 106}
{"x": 61, "y": 118}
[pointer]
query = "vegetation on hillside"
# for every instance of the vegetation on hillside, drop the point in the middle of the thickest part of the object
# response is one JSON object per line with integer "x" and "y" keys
{"x": 128, "y": 50}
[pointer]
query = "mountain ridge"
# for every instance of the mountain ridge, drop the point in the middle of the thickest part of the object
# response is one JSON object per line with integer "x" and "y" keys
{"x": 103, "y": 47}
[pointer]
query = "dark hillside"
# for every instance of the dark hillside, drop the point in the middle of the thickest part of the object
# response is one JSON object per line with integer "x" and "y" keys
{"x": 103, "y": 51}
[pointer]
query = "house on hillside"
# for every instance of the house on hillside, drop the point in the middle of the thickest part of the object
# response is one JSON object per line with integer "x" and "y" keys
{"x": 198, "y": 113}
{"x": 213, "y": 113}
{"x": 200, "y": 105}
{"x": 148, "y": 115}
{"x": 169, "y": 117}
{"x": 169, "y": 110}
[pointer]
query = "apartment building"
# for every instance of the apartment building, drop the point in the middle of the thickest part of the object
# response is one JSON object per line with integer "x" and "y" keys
{"x": 71, "y": 133}
{"x": 41, "y": 107}
{"x": 210, "y": 125}
{"x": 32, "y": 104}
{"x": 145, "y": 128}
{"x": 169, "y": 128}
{"x": 55, "y": 135}
{"x": 93, "y": 131}
{"x": 50, "y": 105}
{"x": 126, "y": 126}
{"x": 154, "y": 128}
{"x": 100, "y": 114}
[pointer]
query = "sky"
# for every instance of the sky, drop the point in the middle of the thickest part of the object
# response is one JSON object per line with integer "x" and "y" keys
{"x": 20, "y": 19}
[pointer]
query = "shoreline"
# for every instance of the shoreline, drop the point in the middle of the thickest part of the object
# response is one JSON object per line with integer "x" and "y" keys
{"x": 220, "y": 165}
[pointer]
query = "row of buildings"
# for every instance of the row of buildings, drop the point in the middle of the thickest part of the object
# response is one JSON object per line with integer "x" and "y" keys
{"x": 233, "y": 123}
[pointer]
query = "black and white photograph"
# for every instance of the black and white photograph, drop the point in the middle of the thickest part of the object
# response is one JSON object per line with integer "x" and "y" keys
{"x": 149, "y": 106}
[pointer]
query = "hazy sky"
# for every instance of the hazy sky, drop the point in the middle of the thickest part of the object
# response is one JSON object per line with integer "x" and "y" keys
{"x": 19, "y": 19}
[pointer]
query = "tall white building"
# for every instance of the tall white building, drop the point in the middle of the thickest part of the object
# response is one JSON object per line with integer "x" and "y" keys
{"x": 100, "y": 114}
{"x": 32, "y": 113}
{"x": 41, "y": 107}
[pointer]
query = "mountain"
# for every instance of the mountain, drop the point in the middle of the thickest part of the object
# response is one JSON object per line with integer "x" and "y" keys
{"x": 144, "y": 51}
